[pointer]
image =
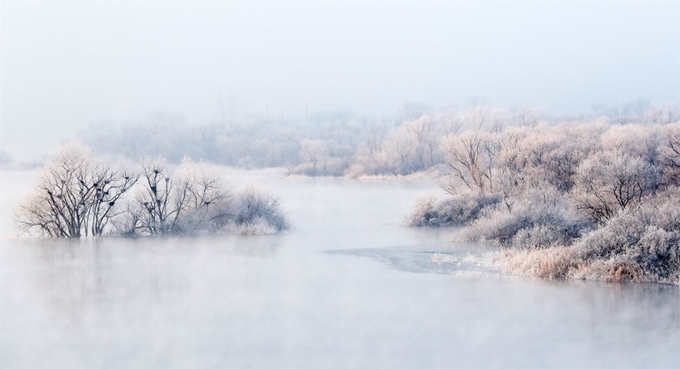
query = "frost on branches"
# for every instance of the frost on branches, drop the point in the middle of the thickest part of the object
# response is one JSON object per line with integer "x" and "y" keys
{"x": 79, "y": 195}
{"x": 593, "y": 200}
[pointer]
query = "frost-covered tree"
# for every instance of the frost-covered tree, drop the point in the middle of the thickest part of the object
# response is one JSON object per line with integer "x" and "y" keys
{"x": 670, "y": 155}
{"x": 610, "y": 181}
{"x": 426, "y": 134}
{"x": 194, "y": 199}
{"x": 76, "y": 196}
{"x": 532, "y": 157}
{"x": 191, "y": 199}
{"x": 642, "y": 141}
{"x": 471, "y": 157}
{"x": 528, "y": 117}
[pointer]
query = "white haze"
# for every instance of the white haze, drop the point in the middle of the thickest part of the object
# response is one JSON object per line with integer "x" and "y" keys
{"x": 66, "y": 65}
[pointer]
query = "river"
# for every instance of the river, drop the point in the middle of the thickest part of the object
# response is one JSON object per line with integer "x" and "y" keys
{"x": 347, "y": 287}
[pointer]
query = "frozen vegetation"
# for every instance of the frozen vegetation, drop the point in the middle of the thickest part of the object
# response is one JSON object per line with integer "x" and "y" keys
{"x": 456, "y": 210}
{"x": 81, "y": 195}
{"x": 590, "y": 200}
{"x": 638, "y": 244}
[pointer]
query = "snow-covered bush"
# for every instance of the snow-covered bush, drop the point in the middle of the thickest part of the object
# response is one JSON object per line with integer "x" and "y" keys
{"x": 641, "y": 244}
{"x": 256, "y": 212}
{"x": 451, "y": 211}
{"x": 543, "y": 218}
{"x": 554, "y": 262}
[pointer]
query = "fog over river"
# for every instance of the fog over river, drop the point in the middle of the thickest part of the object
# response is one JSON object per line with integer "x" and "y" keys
{"x": 348, "y": 286}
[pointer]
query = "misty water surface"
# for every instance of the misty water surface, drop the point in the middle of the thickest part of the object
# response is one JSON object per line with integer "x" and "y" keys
{"x": 348, "y": 286}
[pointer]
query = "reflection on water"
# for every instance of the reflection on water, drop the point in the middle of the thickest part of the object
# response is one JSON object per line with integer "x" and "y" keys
{"x": 347, "y": 287}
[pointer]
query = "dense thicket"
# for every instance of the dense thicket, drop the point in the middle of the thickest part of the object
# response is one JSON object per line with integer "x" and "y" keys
{"x": 581, "y": 200}
{"x": 638, "y": 244}
{"x": 79, "y": 195}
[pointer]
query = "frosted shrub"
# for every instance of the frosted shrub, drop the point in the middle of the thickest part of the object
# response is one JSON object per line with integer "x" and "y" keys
{"x": 452, "y": 211}
{"x": 554, "y": 262}
{"x": 256, "y": 227}
{"x": 640, "y": 244}
{"x": 258, "y": 211}
{"x": 542, "y": 218}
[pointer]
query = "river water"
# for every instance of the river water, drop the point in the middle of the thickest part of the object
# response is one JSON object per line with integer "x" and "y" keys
{"x": 347, "y": 287}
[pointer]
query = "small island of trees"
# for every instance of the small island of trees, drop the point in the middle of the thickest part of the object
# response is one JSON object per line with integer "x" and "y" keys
{"x": 80, "y": 195}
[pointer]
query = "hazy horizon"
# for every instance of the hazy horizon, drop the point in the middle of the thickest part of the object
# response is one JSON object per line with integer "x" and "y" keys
{"x": 67, "y": 65}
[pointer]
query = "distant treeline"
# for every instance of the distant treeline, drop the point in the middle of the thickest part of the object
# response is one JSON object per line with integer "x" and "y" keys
{"x": 337, "y": 143}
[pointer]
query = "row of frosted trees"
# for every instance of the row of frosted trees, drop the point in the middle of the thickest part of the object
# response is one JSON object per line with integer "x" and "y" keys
{"x": 337, "y": 143}
{"x": 80, "y": 195}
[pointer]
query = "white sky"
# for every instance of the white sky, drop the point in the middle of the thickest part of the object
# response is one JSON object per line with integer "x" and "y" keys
{"x": 65, "y": 65}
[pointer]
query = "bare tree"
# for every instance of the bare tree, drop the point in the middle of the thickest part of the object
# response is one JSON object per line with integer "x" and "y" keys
{"x": 158, "y": 210}
{"x": 74, "y": 197}
{"x": 109, "y": 187}
{"x": 187, "y": 201}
